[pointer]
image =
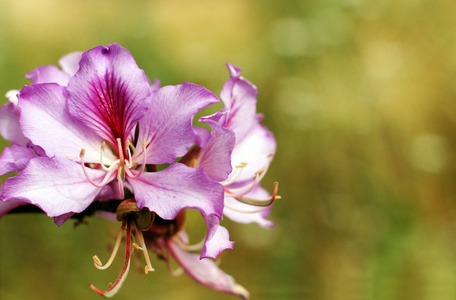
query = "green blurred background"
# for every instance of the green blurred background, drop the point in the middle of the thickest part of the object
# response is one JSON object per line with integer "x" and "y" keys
{"x": 361, "y": 97}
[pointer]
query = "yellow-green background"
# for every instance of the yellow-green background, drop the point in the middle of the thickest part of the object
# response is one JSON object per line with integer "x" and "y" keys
{"x": 361, "y": 96}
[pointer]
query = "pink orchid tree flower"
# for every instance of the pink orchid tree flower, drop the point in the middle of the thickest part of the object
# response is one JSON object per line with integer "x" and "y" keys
{"x": 102, "y": 125}
{"x": 237, "y": 133}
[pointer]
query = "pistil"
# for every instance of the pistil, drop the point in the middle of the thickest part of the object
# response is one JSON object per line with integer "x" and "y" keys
{"x": 114, "y": 288}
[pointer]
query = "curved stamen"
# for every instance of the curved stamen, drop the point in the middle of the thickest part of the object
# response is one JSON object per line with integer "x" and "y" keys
{"x": 235, "y": 174}
{"x": 97, "y": 261}
{"x": 143, "y": 165}
{"x": 258, "y": 210}
{"x": 114, "y": 288}
{"x": 239, "y": 192}
{"x": 140, "y": 237}
{"x": 114, "y": 165}
{"x": 105, "y": 179}
{"x": 263, "y": 202}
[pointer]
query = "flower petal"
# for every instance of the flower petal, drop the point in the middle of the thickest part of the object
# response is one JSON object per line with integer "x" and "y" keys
{"x": 202, "y": 136}
{"x": 105, "y": 193}
{"x": 109, "y": 93}
{"x": 46, "y": 121}
{"x": 217, "y": 238}
{"x": 59, "y": 220}
{"x": 215, "y": 155}
{"x": 10, "y": 128}
{"x": 56, "y": 185}
{"x": 48, "y": 74}
{"x": 15, "y": 158}
{"x": 205, "y": 271}
{"x": 167, "y": 126}
{"x": 70, "y": 62}
{"x": 255, "y": 150}
{"x": 5, "y": 207}
{"x": 239, "y": 96}
{"x": 234, "y": 71}
{"x": 175, "y": 188}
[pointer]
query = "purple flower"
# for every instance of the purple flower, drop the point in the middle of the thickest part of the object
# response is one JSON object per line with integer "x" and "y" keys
{"x": 237, "y": 133}
{"x": 98, "y": 130}
{"x": 99, "y": 125}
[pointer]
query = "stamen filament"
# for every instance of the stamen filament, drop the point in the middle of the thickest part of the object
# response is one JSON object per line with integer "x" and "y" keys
{"x": 115, "y": 164}
{"x": 97, "y": 261}
{"x": 141, "y": 170}
{"x": 143, "y": 247}
{"x": 235, "y": 174}
{"x": 258, "y": 202}
{"x": 245, "y": 211}
{"x": 239, "y": 192}
{"x": 105, "y": 179}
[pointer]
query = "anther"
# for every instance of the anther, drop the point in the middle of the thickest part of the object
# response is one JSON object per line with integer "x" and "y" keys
{"x": 260, "y": 171}
{"x": 136, "y": 246}
{"x": 242, "y": 165}
{"x": 97, "y": 260}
